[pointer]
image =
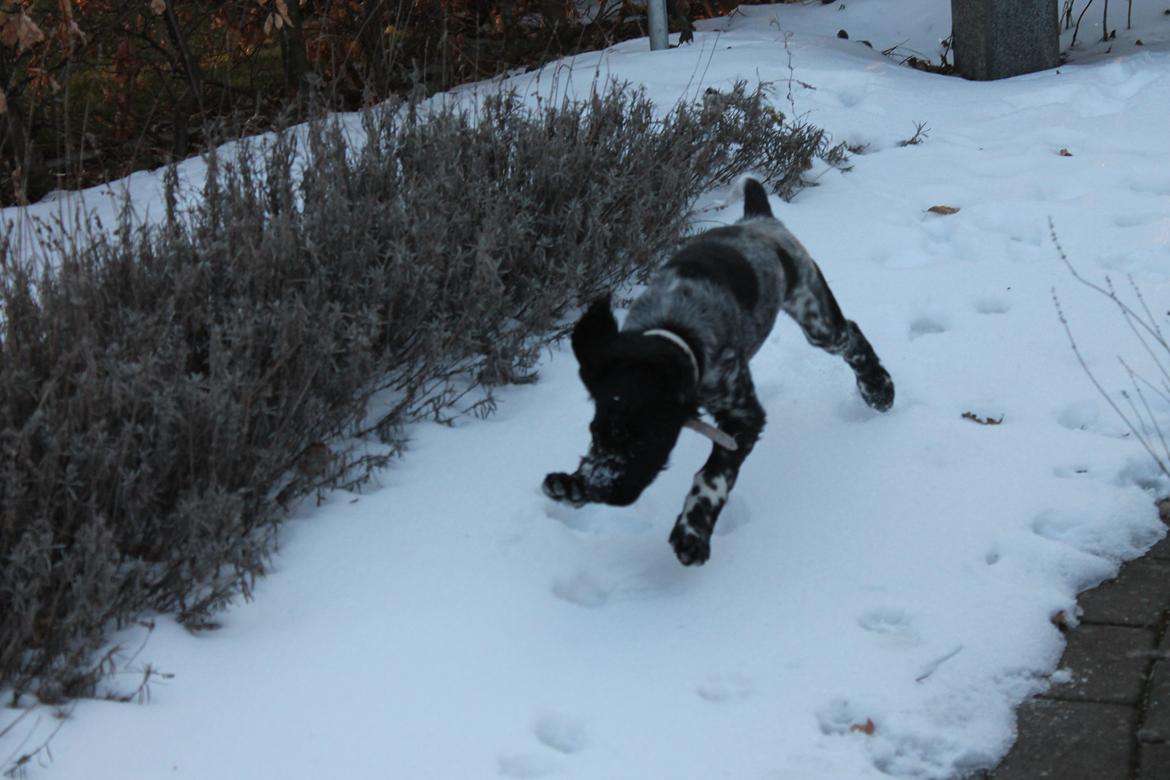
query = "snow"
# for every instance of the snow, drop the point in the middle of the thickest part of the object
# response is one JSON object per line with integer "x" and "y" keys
{"x": 899, "y": 569}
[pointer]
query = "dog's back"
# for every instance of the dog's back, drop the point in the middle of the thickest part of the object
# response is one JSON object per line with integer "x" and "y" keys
{"x": 724, "y": 286}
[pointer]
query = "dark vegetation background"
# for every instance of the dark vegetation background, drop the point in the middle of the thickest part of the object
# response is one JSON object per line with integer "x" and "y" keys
{"x": 92, "y": 89}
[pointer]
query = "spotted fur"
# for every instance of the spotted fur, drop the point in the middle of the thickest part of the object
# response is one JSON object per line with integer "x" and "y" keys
{"x": 721, "y": 293}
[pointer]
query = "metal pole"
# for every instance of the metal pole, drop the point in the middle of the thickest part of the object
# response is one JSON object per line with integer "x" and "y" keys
{"x": 656, "y": 18}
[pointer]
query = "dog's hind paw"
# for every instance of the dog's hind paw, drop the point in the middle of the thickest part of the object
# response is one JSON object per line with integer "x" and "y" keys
{"x": 692, "y": 548}
{"x": 877, "y": 389}
{"x": 569, "y": 488}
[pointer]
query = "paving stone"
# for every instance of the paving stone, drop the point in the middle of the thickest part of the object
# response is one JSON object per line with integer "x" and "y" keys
{"x": 1108, "y": 664}
{"x": 1138, "y": 597}
{"x": 1161, "y": 550}
{"x": 1066, "y": 740}
{"x": 1154, "y": 762}
{"x": 1156, "y": 727}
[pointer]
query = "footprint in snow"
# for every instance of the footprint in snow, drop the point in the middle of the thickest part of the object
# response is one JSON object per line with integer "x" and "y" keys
{"x": 562, "y": 733}
{"x": 1151, "y": 184}
{"x": 578, "y": 519}
{"x": 655, "y": 576}
{"x": 851, "y": 95}
{"x": 525, "y": 765}
{"x": 1090, "y": 415}
{"x": 1144, "y": 473}
{"x": 894, "y": 627}
{"x": 719, "y": 688}
{"x": 927, "y": 325}
{"x": 1139, "y": 219}
{"x": 583, "y": 590}
{"x": 992, "y": 305}
{"x": 1079, "y": 416}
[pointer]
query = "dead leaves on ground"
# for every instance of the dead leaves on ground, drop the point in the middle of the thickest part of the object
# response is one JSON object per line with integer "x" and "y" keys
{"x": 867, "y": 728}
{"x": 982, "y": 420}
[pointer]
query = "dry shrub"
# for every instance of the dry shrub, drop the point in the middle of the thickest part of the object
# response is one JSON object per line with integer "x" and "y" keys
{"x": 162, "y": 390}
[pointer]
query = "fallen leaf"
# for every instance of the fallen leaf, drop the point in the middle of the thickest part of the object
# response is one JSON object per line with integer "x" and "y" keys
{"x": 943, "y": 210}
{"x": 982, "y": 420}
{"x": 158, "y": 7}
{"x": 864, "y": 728}
{"x": 1065, "y": 153}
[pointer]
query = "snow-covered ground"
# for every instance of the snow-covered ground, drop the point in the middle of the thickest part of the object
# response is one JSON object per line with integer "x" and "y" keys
{"x": 899, "y": 570}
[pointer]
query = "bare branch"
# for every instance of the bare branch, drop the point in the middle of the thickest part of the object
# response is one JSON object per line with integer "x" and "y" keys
{"x": 1104, "y": 394}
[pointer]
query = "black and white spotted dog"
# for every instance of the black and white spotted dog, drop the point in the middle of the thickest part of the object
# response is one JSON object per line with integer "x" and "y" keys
{"x": 685, "y": 347}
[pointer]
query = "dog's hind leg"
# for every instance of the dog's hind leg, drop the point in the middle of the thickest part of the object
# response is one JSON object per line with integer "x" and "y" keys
{"x": 743, "y": 419}
{"x": 811, "y": 303}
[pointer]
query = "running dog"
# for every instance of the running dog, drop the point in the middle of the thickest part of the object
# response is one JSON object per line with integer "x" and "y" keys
{"x": 685, "y": 347}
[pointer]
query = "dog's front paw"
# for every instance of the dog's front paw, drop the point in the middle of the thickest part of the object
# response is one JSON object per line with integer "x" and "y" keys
{"x": 877, "y": 389}
{"x": 691, "y": 547}
{"x": 569, "y": 488}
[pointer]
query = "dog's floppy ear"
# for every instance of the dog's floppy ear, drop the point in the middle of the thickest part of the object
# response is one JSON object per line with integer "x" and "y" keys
{"x": 591, "y": 335}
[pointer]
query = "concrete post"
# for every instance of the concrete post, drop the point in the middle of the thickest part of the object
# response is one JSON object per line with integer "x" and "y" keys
{"x": 995, "y": 39}
{"x": 656, "y": 19}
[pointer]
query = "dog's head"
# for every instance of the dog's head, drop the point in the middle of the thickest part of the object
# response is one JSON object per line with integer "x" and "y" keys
{"x": 643, "y": 390}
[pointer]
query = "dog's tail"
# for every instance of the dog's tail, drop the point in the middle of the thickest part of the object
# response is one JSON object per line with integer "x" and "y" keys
{"x": 755, "y": 199}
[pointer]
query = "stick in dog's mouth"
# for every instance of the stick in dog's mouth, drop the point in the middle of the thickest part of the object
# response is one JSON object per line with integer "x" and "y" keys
{"x": 711, "y": 432}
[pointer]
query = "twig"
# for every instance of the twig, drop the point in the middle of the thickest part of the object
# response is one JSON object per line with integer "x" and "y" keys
{"x": 1151, "y": 329}
{"x": 1152, "y": 325}
{"x": 933, "y": 666}
{"x": 1108, "y": 398}
{"x": 1133, "y": 377}
{"x": 1077, "y": 29}
{"x": 791, "y": 72}
{"x": 18, "y": 764}
{"x": 921, "y": 133}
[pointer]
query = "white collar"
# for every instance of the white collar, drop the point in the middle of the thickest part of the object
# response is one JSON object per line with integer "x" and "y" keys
{"x": 682, "y": 344}
{"x": 719, "y": 437}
